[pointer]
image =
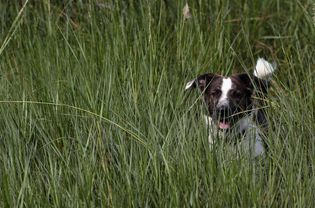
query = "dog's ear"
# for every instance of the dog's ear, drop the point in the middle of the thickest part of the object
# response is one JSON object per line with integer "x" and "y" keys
{"x": 254, "y": 83}
{"x": 202, "y": 81}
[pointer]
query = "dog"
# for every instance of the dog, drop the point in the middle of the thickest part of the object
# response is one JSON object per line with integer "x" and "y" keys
{"x": 234, "y": 106}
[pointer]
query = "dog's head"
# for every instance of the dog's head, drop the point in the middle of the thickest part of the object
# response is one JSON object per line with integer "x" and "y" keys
{"x": 228, "y": 99}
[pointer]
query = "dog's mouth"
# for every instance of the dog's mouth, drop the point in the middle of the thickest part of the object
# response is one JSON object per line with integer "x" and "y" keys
{"x": 227, "y": 122}
{"x": 224, "y": 125}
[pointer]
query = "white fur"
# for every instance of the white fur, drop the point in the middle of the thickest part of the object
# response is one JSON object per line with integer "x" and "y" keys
{"x": 264, "y": 69}
{"x": 252, "y": 142}
{"x": 225, "y": 88}
{"x": 208, "y": 120}
{"x": 189, "y": 84}
{"x": 209, "y": 123}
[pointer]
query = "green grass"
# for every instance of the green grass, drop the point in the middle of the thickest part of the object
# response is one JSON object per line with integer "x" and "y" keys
{"x": 93, "y": 111}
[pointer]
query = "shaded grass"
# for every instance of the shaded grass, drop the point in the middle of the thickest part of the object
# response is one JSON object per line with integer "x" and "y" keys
{"x": 82, "y": 83}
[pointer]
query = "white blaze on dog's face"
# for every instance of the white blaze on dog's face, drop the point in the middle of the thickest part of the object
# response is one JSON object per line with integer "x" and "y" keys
{"x": 227, "y": 98}
{"x": 225, "y": 88}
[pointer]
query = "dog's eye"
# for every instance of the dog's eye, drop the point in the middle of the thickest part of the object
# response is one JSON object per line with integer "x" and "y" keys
{"x": 236, "y": 94}
{"x": 216, "y": 92}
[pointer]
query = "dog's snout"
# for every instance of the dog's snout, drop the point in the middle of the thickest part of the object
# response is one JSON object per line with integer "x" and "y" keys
{"x": 224, "y": 110}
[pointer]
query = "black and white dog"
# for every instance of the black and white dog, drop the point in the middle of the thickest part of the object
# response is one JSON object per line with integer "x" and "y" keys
{"x": 233, "y": 105}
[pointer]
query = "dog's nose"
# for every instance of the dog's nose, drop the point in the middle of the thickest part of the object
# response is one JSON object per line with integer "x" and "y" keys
{"x": 224, "y": 111}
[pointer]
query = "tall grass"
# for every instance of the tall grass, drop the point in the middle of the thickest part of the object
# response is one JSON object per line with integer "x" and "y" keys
{"x": 93, "y": 111}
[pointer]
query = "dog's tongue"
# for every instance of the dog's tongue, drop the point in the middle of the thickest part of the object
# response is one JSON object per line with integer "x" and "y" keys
{"x": 224, "y": 125}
